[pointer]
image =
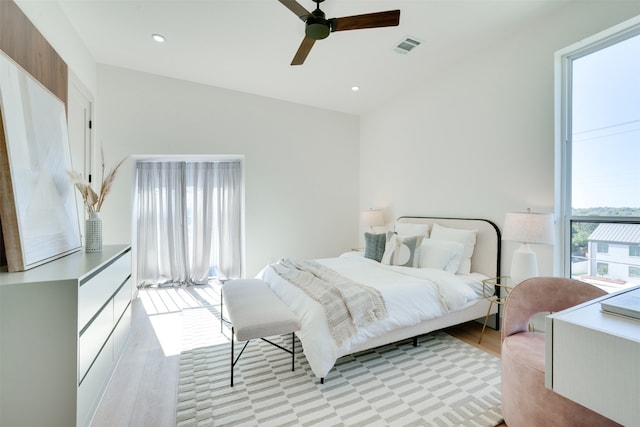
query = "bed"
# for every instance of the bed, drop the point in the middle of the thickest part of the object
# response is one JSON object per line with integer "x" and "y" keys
{"x": 418, "y": 297}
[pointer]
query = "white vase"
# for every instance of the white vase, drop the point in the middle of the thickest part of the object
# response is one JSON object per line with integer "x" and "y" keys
{"x": 93, "y": 233}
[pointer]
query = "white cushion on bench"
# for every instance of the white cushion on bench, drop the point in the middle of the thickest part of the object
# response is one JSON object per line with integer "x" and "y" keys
{"x": 255, "y": 311}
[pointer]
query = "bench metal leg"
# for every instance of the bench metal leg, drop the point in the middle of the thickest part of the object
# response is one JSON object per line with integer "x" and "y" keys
{"x": 233, "y": 362}
{"x": 292, "y": 351}
{"x": 234, "y": 359}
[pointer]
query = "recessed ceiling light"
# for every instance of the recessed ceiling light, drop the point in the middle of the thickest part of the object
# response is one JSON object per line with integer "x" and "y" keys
{"x": 355, "y": 88}
{"x": 158, "y": 37}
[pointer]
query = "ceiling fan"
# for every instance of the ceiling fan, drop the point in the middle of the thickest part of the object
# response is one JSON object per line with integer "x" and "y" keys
{"x": 317, "y": 27}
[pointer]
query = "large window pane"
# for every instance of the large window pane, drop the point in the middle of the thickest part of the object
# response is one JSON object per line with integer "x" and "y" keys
{"x": 606, "y": 131}
{"x": 604, "y": 157}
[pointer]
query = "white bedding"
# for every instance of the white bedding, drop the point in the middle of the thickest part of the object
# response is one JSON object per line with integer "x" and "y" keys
{"x": 411, "y": 295}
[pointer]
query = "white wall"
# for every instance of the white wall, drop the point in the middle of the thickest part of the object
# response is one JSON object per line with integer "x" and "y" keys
{"x": 478, "y": 140}
{"x": 53, "y": 24}
{"x": 301, "y": 163}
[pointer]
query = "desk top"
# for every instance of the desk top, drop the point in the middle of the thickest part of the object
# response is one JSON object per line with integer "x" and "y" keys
{"x": 591, "y": 316}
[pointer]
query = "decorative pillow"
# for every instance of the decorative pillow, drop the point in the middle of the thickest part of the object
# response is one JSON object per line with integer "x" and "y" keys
{"x": 408, "y": 229}
{"x": 466, "y": 237}
{"x": 374, "y": 245}
{"x": 441, "y": 254}
{"x": 402, "y": 250}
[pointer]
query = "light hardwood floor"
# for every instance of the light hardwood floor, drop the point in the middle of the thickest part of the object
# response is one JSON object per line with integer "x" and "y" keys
{"x": 143, "y": 389}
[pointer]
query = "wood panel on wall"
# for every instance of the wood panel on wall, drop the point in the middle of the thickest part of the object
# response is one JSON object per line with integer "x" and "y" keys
{"x": 23, "y": 43}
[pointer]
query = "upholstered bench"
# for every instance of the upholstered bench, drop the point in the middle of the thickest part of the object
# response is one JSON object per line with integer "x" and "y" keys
{"x": 256, "y": 312}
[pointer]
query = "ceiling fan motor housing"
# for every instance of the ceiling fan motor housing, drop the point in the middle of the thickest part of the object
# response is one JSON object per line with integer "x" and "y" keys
{"x": 318, "y": 26}
{"x": 317, "y": 30}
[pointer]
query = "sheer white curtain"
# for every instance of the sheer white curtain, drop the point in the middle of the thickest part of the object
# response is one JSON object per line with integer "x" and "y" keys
{"x": 189, "y": 221}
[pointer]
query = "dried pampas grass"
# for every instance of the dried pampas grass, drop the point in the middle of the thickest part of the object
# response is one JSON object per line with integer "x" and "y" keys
{"x": 93, "y": 201}
{"x": 88, "y": 195}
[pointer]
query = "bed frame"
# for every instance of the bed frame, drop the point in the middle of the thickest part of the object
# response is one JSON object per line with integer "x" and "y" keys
{"x": 485, "y": 260}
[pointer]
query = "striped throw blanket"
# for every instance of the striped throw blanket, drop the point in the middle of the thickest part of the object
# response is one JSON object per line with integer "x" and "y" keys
{"x": 347, "y": 304}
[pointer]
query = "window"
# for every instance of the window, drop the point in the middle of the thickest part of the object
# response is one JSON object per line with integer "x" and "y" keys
{"x": 634, "y": 271}
{"x": 603, "y": 268}
{"x": 599, "y": 143}
{"x": 188, "y": 220}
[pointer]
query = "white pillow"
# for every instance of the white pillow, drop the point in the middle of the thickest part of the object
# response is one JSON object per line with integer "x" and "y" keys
{"x": 441, "y": 254}
{"x": 466, "y": 237}
{"x": 402, "y": 250}
{"x": 408, "y": 229}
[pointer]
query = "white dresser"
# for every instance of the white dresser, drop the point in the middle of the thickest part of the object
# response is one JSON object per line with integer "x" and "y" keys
{"x": 63, "y": 326}
{"x": 593, "y": 358}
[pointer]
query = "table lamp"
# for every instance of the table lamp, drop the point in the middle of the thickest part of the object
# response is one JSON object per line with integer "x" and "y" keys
{"x": 371, "y": 219}
{"x": 527, "y": 228}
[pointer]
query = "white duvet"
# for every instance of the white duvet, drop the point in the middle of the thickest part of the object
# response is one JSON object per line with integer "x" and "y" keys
{"x": 411, "y": 295}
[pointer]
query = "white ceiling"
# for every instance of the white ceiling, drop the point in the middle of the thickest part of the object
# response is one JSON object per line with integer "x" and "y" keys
{"x": 247, "y": 45}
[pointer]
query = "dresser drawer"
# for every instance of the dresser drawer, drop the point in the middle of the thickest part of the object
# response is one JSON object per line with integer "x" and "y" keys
{"x": 121, "y": 299}
{"x": 94, "y": 292}
{"x": 120, "y": 270}
{"x": 92, "y": 295}
{"x": 121, "y": 333}
{"x": 93, "y": 338}
{"x": 91, "y": 388}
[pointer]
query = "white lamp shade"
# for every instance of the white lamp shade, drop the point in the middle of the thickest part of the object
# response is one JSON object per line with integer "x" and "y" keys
{"x": 529, "y": 227}
{"x": 372, "y": 218}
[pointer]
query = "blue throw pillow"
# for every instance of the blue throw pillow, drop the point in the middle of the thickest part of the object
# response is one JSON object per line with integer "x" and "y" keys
{"x": 374, "y": 245}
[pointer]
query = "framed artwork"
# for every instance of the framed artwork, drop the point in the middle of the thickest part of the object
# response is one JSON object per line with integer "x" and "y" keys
{"x": 37, "y": 203}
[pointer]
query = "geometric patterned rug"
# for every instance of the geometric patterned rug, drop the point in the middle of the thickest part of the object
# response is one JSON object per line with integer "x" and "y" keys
{"x": 441, "y": 382}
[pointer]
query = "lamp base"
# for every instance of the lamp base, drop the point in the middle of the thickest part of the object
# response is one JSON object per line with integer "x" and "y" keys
{"x": 524, "y": 264}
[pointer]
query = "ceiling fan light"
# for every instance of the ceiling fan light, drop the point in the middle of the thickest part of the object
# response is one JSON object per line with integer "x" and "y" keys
{"x": 317, "y": 29}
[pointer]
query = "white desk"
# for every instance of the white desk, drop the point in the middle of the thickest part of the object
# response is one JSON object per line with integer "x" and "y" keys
{"x": 593, "y": 358}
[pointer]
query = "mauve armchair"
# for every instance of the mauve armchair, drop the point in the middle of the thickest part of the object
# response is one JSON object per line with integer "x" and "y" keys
{"x": 526, "y": 402}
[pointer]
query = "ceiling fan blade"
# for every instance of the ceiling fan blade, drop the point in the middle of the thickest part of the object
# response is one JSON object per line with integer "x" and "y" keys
{"x": 303, "y": 51}
{"x": 296, "y": 8}
{"x": 390, "y": 18}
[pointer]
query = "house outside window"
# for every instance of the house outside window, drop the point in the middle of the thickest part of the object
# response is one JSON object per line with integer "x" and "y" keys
{"x": 611, "y": 254}
{"x": 634, "y": 250}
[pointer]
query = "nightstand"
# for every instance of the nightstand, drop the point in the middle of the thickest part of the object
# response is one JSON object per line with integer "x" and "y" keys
{"x": 495, "y": 290}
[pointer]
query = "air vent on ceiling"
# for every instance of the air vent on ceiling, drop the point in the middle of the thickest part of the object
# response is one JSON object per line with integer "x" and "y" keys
{"x": 406, "y": 45}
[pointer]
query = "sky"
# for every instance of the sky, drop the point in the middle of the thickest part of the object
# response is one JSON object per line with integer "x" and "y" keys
{"x": 606, "y": 127}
